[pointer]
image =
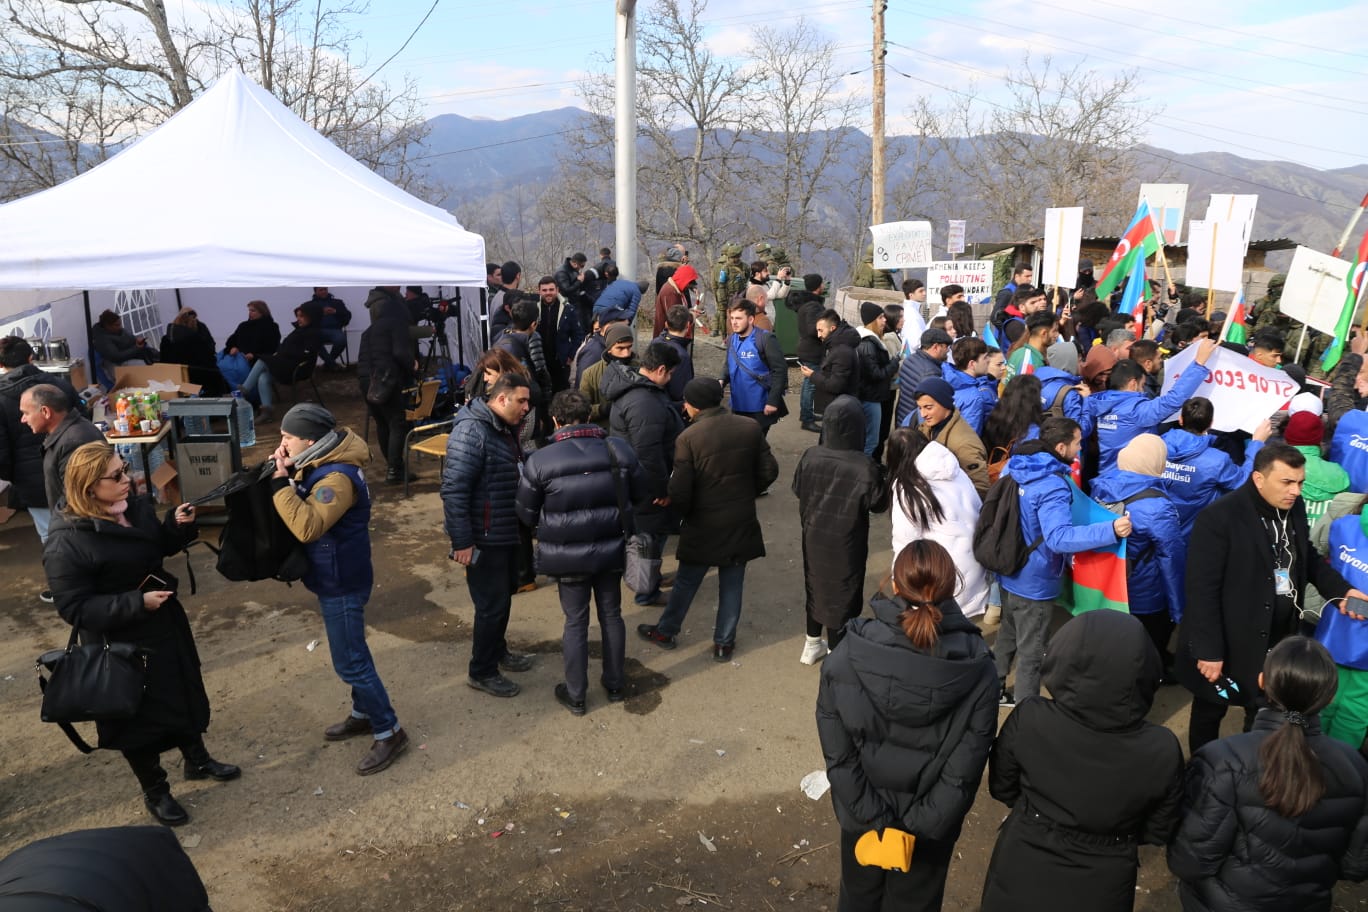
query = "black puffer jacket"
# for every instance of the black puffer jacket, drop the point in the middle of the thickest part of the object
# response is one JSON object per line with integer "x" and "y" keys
{"x": 301, "y": 346}
{"x": 1087, "y": 778}
{"x": 387, "y": 343}
{"x": 1233, "y": 854}
{"x": 196, "y": 350}
{"x": 839, "y": 372}
{"x": 570, "y": 492}
{"x": 905, "y": 733}
{"x": 480, "y": 480}
{"x": 877, "y": 368}
{"x": 21, "y": 450}
{"x": 808, "y": 308}
{"x": 642, "y": 415}
{"x": 95, "y": 568}
{"x": 257, "y": 337}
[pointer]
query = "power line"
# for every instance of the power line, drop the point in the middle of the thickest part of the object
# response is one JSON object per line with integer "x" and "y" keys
{"x": 506, "y": 142}
{"x": 411, "y": 36}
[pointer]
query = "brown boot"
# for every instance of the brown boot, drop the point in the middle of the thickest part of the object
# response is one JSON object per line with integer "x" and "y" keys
{"x": 349, "y": 727}
{"x": 383, "y": 753}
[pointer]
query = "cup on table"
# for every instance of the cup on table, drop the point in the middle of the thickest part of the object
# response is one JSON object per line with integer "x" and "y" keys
{"x": 145, "y": 426}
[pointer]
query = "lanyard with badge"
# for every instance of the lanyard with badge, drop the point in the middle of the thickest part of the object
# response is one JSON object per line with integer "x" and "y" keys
{"x": 1282, "y": 554}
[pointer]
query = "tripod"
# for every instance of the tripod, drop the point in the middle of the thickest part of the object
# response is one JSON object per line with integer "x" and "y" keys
{"x": 439, "y": 350}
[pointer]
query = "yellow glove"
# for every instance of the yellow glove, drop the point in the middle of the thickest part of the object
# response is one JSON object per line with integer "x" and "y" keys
{"x": 892, "y": 851}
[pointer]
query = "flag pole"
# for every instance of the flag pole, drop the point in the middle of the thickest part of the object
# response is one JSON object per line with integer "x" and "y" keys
{"x": 1320, "y": 283}
{"x": 1163, "y": 242}
{"x": 1211, "y": 279}
{"x": 1353, "y": 220}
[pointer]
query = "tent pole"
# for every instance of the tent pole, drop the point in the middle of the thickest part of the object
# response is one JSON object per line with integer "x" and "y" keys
{"x": 90, "y": 339}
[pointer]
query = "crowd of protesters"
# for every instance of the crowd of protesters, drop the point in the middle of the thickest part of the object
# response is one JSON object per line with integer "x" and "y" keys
{"x": 580, "y": 450}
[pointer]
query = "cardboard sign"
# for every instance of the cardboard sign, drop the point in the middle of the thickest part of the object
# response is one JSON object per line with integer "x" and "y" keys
{"x": 1063, "y": 237}
{"x": 1242, "y": 391}
{"x": 902, "y": 245}
{"x": 1167, "y": 203}
{"x": 1237, "y": 208}
{"x": 1314, "y": 293}
{"x": 955, "y": 244}
{"x": 1216, "y": 253}
{"x": 975, "y": 275}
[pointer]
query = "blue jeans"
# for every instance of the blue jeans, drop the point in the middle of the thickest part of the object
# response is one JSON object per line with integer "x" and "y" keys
{"x": 42, "y": 517}
{"x": 806, "y": 415}
{"x": 491, "y": 583}
{"x": 337, "y": 340}
{"x": 259, "y": 381}
{"x": 873, "y": 412}
{"x": 606, "y": 588}
{"x": 730, "y": 583}
{"x": 344, "y": 618}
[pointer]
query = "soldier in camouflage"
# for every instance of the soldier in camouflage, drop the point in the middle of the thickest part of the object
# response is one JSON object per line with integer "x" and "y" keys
{"x": 731, "y": 273}
{"x": 866, "y": 276}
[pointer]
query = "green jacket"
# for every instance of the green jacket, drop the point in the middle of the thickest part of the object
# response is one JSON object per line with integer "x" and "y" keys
{"x": 1324, "y": 479}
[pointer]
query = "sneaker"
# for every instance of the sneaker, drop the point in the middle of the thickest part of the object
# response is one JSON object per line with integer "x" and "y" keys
{"x": 576, "y": 707}
{"x": 516, "y": 661}
{"x": 814, "y": 650}
{"x": 382, "y": 753}
{"x": 45, "y": 596}
{"x": 1006, "y": 698}
{"x": 651, "y": 634}
{"x": 495, "y": 685}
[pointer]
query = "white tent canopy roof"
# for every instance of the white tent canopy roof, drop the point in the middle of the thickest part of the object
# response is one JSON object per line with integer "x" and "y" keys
{"x": 234, "y": 191}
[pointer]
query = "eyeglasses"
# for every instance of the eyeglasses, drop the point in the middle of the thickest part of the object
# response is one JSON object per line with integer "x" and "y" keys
{"x": 120, "y": 475}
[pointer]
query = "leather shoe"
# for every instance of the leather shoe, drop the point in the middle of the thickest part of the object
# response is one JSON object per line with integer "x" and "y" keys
{"x": 166, "y": 809}
{"x": 614, "y": 696}
{"x": 576, "y": 707}
{"x": 349, "y": 727}
{"x": 516, "y": 661}
{"x": 651, "y": 634}
{"x": 382, "y": 753}
{"x": 212, "y": 769}
{"x": 812, "y": 426}
{"x": 495, "y": 685}
{"x": 722, "y": 652}
{"x": 659, "y": 600}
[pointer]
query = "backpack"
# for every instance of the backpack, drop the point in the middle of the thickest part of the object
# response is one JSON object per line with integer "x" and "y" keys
{"x": 1119, "y": 508}
{"x": 999, "y": 544}
{"x": 255, "y": 543}
{"x": 1057, "y": 406}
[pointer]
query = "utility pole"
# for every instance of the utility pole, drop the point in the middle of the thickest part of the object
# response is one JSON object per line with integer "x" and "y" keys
{"x": 624, "y": 141}
{"x": 876, "y": 191}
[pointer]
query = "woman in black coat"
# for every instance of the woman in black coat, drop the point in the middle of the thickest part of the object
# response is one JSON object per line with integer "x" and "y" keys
{"x": 1087, "y": 778}
{"x": 838, "y": 486}
{"x": 1273, "y": 817}
{"x": 388, "y": 347}
{"x": 256, "y": 336}
{"x": 906, "y": 713}
{"x": 189, "y": 342}
{"x": 104, "y": 565}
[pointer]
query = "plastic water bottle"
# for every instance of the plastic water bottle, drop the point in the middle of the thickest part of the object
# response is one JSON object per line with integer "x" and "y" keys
{"x": 246, "y": 421}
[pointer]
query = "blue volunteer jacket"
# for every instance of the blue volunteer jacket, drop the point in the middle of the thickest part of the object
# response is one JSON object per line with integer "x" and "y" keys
{"x": 1051, "y": 380}
{"x": 1197, "y": 473}
{"x": 1349, "y": 448}
{"x": 1120, "y": 416}
{"x": 975, "y": 397}
{"x": 1345, "y": 638}
{"x": 1156, "y": 550}
{"x": 1046, "y": 509}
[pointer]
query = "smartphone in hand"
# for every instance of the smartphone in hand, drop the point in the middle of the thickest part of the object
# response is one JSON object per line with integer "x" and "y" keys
{"x": 154, "y": 583}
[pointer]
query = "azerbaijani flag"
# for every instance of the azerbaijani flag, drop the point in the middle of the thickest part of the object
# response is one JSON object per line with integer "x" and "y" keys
{"x": 1133, "y": 298}
{"x": 1234, "y": 329}
{"x": 1139, "y": 241}
{"x": 1353, "y": 284}
{"x": 1099, "y": 577}
{"x": 989, "y": 338}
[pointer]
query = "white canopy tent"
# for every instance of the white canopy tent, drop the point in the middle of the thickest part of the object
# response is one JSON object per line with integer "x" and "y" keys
{"x": 234, "y": 191}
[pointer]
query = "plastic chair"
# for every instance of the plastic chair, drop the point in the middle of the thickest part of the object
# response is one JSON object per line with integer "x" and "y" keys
{"x": 419, "y": 416}
{"x": 303, "y": 372}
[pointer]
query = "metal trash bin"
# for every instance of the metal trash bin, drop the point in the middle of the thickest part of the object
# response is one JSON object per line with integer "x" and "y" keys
{"x": 208, "y": 449}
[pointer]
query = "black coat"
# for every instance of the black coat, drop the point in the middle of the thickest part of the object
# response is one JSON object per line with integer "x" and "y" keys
{"x": 1087, "y": 778}
{"x": 837, "y": 486}
{"x": 196, "y": 350}
{"x": 642, "y": 415}
{"x": 119, "y": 869}
{"x": 905, "y": 733}
{"x": 1230, "y": 614}
{"x": 1233, "y": 854}
{"x": 21, "y": 450}
{"x": 94, "y": 569}
{"x": 839, "y": 371}
{"x": 722, "y": 464}
{"x": 480, "y": 479}
{"x": 255, "y": 337}
{"x": 570, "y": 492}
{"x": 808, "y": 307}
{"x": 58, "y": 445}
{"x": 387, "y": 342}
{"x": 877, "y": 369}
{"x": 302, "y": 346}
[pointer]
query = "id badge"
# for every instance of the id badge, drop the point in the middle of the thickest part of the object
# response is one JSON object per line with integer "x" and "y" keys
{"x": 1282, "y": 581}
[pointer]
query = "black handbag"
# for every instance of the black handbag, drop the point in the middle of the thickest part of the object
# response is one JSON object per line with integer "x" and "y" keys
{"x": 384, "y": 383}
{"x": 95, "y": 682}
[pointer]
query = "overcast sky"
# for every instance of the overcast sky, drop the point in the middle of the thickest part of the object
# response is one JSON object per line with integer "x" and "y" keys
{"x": 1264, "y": 80}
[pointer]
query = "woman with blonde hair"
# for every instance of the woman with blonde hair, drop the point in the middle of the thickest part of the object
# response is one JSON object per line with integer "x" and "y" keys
{"x": 189, "y": 342}
{"x": 103, "y": 560}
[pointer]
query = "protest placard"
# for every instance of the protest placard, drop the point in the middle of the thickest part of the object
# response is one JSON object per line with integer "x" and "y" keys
{"x": 1242, "y": 391}
{"x": 902, "y": 245}
{"x": 1314, "y": 293}
{"x": 955, "y": 242}
{"x": 1167, "y": 204}
{"x": 1215, "y": 256}
{"x": 1237, "y": 208}
{"x": 1063, "y": 237}
{"x": 976, "y": 276}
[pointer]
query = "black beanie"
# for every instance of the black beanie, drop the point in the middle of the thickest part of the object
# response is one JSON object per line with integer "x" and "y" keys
{"x": 703, "y": 393}
{"x": 308, "y": 421}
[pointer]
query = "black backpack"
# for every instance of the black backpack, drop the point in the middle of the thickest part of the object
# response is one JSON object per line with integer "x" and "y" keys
{"x": 999, "y": 545}
{"x": 1119, "y": 508}
{"x": 255, "y": 543}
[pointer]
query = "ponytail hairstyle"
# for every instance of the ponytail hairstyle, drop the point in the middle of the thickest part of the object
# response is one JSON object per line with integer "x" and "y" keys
{"x": 1299, "y": 678}
{"x": 914, "y": 492}
{"x": 924, "y": 575}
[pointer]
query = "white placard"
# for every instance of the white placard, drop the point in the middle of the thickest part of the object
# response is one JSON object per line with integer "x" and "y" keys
{"x": 975, "y": 275}
{"x": 902, "y": 245}
{"x": 1242, "y": 391}
{"x": 1215, "y": 255}
{"x": 955, "y": 243}
{"x": 1167, "y": 203}
{"x": 1237, "y": 208}
{"x": 1063, "y": 237}
{"x": 1314, "y": 293}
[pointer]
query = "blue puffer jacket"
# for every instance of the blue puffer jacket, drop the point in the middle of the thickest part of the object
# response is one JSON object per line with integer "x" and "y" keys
{"x": 569, "y": 494}
{"x": 1196, "y": 474}
{"x": 480, "y": 480}
{"x": 914, "y": 369}
{"x": 975, "y": 397}
{"x": 1046, "y": 510}
{"x": 620, "y": 294}
{"x": 1155, "y": 550}
{"x": 1052, "y": 379}
{"x": 1121, "y": 416}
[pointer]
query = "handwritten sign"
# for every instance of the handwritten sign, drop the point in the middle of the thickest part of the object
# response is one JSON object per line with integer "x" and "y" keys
{"x": 1242, "y": 391}
{"x": 1314, "y": 293}
{"x": 955, "y": 244}
{"x": 902, "y": 245}
{"x": 975, "y": 275}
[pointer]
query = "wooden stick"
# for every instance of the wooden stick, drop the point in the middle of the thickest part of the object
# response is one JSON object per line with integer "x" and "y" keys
{"x": 792, "y": 857}
{"x": 689, "y": 891}
{"x": 1211, "y": 279}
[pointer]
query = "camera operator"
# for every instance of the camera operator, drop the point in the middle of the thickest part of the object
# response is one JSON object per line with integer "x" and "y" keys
{"x": 423, "y": 309}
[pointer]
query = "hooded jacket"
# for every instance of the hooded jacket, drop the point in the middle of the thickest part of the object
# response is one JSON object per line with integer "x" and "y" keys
{"x": 1195, "y": 474}
{"x": 1047, "y": 513}
{"x": 839, "y": 372}
{"x": 327, "y": 506}
{"x": 905, "y": 732}
{"x": 808, "y": 307}
{"x": 480, "y": 480}
{"x": 837, "y": 487}
{"x": 1052, "y": 381}
{"x": 1156, "y": 551}
{"x": 915, "y": 368}
{"x": 21, "y": 450}
{"x": 301, "y": 346}
{"x": 975, "y": 397}
{"x": 960, "y": 503}
{"x": 1120, "y": 416}
{"x": 387, "y": 344}
{"x": 1234, "y": 854}
{"x": 641, "y": 413}
{"x": 1087, "y": 778}
{"x": 877, "y": 368}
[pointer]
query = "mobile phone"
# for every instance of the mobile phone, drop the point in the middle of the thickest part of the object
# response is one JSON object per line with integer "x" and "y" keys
{"x": 153, "y": 583}
{"x": 1356, "y": 606}
{"x": 474, "y": 556}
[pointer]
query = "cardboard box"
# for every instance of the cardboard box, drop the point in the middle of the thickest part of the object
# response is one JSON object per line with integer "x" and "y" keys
{"x": 164, "y": 375}
{"x": 201, "y": 467}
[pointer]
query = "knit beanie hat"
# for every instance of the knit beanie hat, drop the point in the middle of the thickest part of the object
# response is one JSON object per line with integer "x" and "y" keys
{"x": 619, "y": 333}
{"x": 308, "y": 421}
{"x": 703, "y": 393}
{"x": 938, "y": 390}
{"x": 812, "y": 281}
{"x": 1304, "y": 429}
{"x": 1306, "y": 402}
{"x": 1144, "y": 455}
{"x": 869, "y": 312}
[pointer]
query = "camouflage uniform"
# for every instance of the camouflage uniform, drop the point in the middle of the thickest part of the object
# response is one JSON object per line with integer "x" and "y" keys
{"x": 1267, "y": 314}
{"x": 866, "y": 276}
{"x": 778, "y": 259}
{"x": 735, "y": 271}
